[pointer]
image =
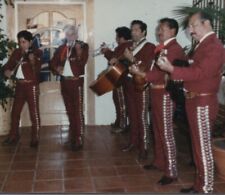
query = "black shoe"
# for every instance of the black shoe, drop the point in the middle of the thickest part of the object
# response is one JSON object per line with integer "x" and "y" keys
{"x": 75, "y": 147}
{"x": 150, "y": 167}
{"x": 143, "y": 155}
{"x": 71, "y": 145}
{"x": 166, "y": 180}
{"x": 10, "y": 141}
{"x": 191, "y": 164}
{"x": 34, "y": 144}
{"x": 67, "y": 143}
{"x": 79, "y": 147}
{"x": 117, "y": 130}
{"x": 114, "y": 125}
{"x": 125, "y": 130}
{"x": 128, "y": 148}
{"x": 190, "y": 190}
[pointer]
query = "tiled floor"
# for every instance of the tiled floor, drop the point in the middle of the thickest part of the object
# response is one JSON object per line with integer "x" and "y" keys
{"x": 99, "y": 167}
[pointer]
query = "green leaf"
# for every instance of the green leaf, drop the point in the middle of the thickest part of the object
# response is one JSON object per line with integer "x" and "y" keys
{"x": 217, "y": 13}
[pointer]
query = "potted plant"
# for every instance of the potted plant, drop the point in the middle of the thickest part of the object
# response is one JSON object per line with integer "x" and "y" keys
{"x": 218, "y": 144}
{"x": 6, "y": 90}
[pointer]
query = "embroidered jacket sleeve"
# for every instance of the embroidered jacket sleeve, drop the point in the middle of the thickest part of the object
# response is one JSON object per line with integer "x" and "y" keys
{"x": 118, "y": 51}
{"x": 174, "y": 52}
{"x": 13, "y": 60}
{"x": 207, "y": 64}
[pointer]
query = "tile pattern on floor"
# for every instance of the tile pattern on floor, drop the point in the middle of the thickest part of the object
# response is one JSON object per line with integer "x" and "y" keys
{"x": 100, "y": 167}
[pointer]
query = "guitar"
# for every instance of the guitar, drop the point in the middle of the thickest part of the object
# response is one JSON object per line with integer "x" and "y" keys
{"x": 110, "y": 78}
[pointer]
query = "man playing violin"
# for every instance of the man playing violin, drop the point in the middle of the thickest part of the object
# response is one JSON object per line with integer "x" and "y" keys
{"x": 69, "y": 62}
{"x": 25, "y": 65}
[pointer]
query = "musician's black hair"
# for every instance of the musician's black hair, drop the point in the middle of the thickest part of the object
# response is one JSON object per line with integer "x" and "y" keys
{"x": 123, "y": 32}
{"x": 142, "y": 25}
{"x": 171, "y": 23}
{"x": 204, "y": 15}
{"x": 25, "y": 34}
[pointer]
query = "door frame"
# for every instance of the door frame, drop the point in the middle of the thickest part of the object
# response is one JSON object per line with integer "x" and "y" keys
{"x": 87, "y": 6}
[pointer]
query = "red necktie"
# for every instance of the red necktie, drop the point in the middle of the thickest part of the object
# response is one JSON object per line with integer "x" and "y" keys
{"x": 159, "y": 48}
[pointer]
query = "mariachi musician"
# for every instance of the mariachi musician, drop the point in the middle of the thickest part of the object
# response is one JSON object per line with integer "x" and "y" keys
{"x": 162, "y": 104}
{"x": 123, "y": 35}
{"x": 69, "y": 62}
{"x": 24, "y": 65}
{"x": 141, "y": 52}
{"x": 201, "y": 84}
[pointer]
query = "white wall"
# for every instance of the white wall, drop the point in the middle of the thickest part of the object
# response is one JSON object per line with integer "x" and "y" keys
{"x": 3, "y": 23}
{"x": 221, "y": 93}
{"x": 108, "y": 15}
{"x": 3, "y": 12}
{"x": 111, "y": 14}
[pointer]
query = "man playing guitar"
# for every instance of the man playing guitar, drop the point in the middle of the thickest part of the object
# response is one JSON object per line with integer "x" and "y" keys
{"x": 123, "y": 35}
{"x": 140, "y": 52}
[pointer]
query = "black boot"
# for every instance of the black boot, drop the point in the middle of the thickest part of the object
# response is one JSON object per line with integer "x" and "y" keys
{"x": 166, "y": 180}
{"x": 34, "y": 143}
{"x": 150, "y": 167}
{"x": 190, "y": 190}
{"x": 128, "y": 148}
{"x": 10, "y": 141}
{"x": 76, "y": 147}
{"x": 143, "y": 155}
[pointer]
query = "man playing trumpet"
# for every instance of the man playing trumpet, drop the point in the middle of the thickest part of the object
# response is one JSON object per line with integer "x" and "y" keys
{"x": 123, "y": 35}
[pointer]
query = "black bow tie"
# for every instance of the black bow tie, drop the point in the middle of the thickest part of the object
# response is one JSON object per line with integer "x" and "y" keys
{"x": 194, "y": 46}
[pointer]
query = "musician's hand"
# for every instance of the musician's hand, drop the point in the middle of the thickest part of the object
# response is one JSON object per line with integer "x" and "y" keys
{"x": 129, "y": 55}
{"x": 113, "y": 61}
{"x": 31, "y": 57}
{"x": 136, "y": 71}
{"x": 59, "y": 70}
{"x": 164, "y": 64}
{"x": 8, "y": 73}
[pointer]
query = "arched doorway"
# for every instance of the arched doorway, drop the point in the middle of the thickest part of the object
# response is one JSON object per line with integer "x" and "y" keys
{"x": 46, "y": 21}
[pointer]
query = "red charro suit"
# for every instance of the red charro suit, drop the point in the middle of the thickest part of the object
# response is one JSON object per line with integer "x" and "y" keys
{"x": 162, "y": 114}
{"x": 118, "y": 93}
{"x": 72, "y": 89}
{"x": 201, "y": 83}
{"x": 138, "y": 101}
{"x": 27, "y": 90}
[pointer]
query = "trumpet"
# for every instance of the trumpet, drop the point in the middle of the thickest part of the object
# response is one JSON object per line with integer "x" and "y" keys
{"x": 98, "y": 51}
